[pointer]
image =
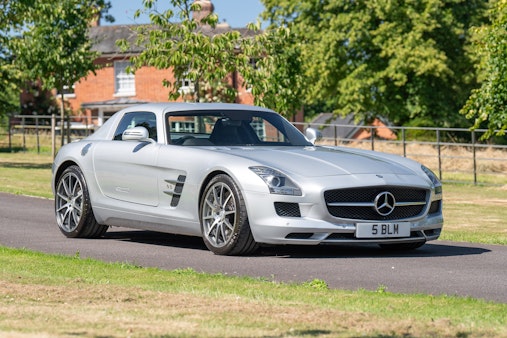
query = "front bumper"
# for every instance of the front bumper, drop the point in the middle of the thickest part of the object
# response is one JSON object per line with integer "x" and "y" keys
{"x": 311, "y": 224}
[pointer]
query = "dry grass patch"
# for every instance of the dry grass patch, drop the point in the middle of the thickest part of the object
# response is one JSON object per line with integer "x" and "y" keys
{"x": 457, "y": 162}
{"x": 475, "y": 214}
{"x": 113, "y": 311}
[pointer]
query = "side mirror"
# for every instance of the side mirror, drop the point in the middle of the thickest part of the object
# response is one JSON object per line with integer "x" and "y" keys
{"x": 136, "y": 134}
{"x": 313, "y": 135}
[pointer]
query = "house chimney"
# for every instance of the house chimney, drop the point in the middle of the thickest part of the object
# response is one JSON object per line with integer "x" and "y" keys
{"x": 95, "y": 21}
{"x": 206, "y": 9}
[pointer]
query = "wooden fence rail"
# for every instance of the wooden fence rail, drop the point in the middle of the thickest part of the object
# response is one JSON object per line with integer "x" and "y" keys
{"x": 441, "y": 149}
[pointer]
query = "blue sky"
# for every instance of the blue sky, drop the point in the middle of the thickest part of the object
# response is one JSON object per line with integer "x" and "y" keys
{"x": 236, "y": 12}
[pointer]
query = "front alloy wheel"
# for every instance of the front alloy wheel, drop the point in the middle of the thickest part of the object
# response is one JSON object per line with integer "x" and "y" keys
{"x": 224, "y": 219}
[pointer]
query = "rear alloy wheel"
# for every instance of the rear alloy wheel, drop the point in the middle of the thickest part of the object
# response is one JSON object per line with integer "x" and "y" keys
{"x": 73, "y": 210}
{"x": 224, "y": 220}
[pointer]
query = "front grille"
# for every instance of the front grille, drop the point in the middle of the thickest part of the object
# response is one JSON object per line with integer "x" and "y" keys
{"x": 359, "y": 203}
{"x": 287, "y": 209}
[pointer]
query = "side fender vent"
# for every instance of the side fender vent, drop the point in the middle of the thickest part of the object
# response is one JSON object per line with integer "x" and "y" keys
{"x": 175, "y": 188}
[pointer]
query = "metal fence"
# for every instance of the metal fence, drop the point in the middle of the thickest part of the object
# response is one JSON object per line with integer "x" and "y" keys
{"x": 441, "y": 149}
{"x": 36, "y": 132}
{"x": 456, "y": 155}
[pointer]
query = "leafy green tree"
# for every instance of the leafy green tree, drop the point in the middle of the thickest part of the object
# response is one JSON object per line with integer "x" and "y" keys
{"x": 54, "y": 47}
{"x": 404, "y": 60}
{"x": 9, "y": 87}
{"x": 207, "y": 55}
{"x": 276, "y": 79}
{"x": 11, "y": 21}
{"x": 488, "y": 104}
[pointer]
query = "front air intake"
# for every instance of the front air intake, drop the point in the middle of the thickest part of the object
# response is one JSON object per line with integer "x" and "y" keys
{"x": 285, "y": 209}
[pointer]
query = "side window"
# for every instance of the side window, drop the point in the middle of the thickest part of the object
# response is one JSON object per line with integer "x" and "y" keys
{"x": 137, "y": 119}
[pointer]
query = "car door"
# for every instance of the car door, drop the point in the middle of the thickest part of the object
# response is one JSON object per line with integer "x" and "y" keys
{"x": 126, "y": 170}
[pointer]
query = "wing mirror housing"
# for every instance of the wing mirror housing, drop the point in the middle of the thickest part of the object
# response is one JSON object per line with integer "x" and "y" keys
{"x": 140, "y": 134}
{"x": 313, "y": 135}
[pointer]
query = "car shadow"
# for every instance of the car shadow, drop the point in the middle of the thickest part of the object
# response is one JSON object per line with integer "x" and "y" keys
{"x": 25, "y": 165}
{"x": 156, "y": 238}
{"x": 430, "y": 249}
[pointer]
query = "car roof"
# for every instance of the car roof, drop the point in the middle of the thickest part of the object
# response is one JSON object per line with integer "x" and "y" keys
{"x": 189, "y": 106}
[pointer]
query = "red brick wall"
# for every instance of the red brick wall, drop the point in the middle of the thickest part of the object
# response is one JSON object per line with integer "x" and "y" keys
{"x": 100, "y": 86}
{"x": 149, "y": 87}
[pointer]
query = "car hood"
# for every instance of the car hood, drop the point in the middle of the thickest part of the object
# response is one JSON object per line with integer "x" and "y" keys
{"x": 322, "y": 161}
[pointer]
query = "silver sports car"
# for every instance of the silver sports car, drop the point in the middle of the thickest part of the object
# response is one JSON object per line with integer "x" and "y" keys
{"x": 239, "y": 176}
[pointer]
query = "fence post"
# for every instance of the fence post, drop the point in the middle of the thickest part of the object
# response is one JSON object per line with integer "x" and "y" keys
{"x": 475, "y": 157}
{"x": 37, "y": 133}
{"x": 23, "y": 129}
{"x": 9, "y": 132}
{"x": 372, "y": 138}
{"x": 53, "y": 135}
{"x": 403, "y": 138}
{"x": 68, "y": 128}
{"x": 439, "y": 155}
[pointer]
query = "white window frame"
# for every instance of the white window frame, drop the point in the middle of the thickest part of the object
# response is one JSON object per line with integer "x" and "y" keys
{"x": 187, "y": 85}
{"x": 68, "y": 92}
{"x": 124, "y": 82}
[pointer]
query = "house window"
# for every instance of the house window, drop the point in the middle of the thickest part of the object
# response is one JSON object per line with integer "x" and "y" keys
{"x": 187, "y": 86}
{"x": 68, "y": 92}
{"x": 253, "y": 63}
{"x": 124, "y": 82}
{"x": 183, "y": 127}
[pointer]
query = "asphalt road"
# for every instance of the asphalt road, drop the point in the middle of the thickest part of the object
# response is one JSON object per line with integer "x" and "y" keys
{"x": 440, "y": 267}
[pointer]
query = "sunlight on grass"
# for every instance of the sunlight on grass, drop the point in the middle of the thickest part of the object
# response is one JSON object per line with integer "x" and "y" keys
{"x": 54, "y": 294}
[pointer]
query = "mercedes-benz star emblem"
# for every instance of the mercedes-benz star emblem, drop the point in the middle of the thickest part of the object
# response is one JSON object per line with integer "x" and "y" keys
{"x": 385, "y": 203}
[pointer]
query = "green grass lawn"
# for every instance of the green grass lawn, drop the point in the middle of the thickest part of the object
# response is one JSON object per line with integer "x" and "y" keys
{"x": 62, "y": 296}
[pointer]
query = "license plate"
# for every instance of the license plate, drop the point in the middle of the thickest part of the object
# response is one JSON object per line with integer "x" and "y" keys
{"x": 382, "y": 230}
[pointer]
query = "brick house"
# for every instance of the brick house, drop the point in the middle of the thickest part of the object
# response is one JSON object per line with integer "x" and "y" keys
{"x": 98, "y": 96}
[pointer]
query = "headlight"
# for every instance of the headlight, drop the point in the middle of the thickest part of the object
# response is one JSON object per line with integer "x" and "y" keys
{"x": 434, "y": 179}
{"x": 277, "y": 182}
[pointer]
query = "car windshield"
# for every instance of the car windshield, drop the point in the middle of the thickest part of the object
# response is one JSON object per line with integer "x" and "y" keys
{"x": 232, "y": 128}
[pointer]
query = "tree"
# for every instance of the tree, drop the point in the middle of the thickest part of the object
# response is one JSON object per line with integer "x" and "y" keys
{"x": 276, "y": 80}
{"x": 195, "y": 49}
{"x": 54, "y": 47}
{"x": 10, "y": 77}
{"x": 488, "y": 103}
{"x": 404, "y": 60}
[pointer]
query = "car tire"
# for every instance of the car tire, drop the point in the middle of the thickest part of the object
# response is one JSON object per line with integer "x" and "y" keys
{"x": 402, "y": 246}
{"x": 224, "y": 220}
{"x": 73, "y": 210}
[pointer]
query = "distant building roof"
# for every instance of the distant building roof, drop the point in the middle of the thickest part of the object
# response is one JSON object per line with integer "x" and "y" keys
{"x": 343, "y": 127}
{"x": 118, "y": 103}
{"x": 104, "y": 37}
